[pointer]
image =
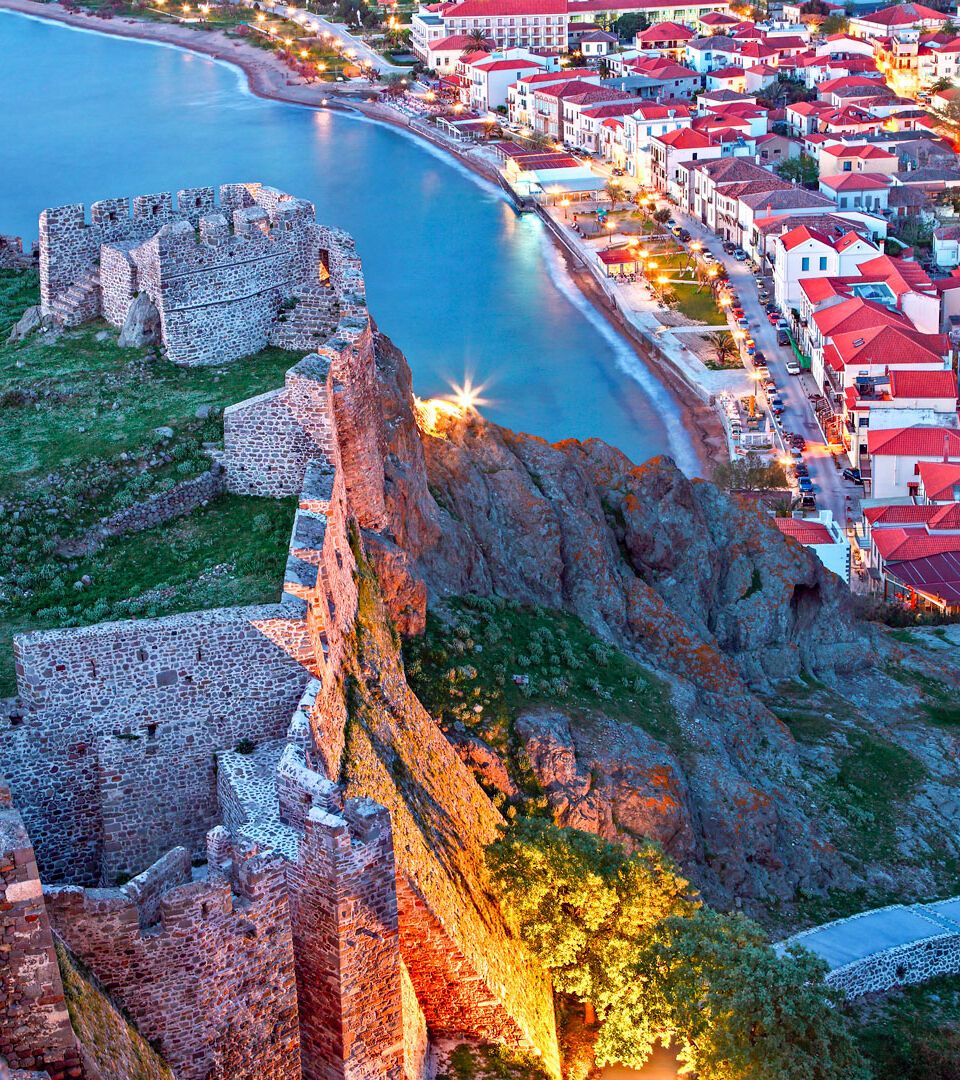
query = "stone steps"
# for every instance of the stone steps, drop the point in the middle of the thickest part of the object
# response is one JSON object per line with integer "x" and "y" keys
{"x": 80, "y": 303}
{"x": 310, "y": 323}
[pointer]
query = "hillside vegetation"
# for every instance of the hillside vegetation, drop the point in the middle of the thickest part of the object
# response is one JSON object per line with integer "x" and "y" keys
{"x": 89, "y": 429}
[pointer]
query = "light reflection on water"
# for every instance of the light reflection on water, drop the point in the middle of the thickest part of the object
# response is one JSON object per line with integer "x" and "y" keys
{"x": 461, "y": 283}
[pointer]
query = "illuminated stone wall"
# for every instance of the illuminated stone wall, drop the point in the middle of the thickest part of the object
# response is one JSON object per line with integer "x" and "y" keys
{"x": 35, "y": 1031}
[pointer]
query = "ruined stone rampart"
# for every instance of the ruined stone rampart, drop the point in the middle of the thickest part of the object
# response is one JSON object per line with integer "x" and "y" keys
{"x": 357, "y": 826}
{"x": 204, "y": 967}
{"x": 35, "y": 1031}
{"x": 130, "y": 714}
{"x": 226, "y": 280}
{"x": 12, "y": 255}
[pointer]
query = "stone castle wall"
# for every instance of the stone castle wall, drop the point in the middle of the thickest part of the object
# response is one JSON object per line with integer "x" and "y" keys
{"x": 205, "y": 968}
{"x": 219, "y": 276}
{"x": 394, "y": 937}
{"x": 35, "y": 1031}
{"x": 131, "y": 713}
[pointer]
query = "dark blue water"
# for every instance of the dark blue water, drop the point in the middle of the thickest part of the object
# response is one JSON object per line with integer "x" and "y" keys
{"x": 464, "y": 286}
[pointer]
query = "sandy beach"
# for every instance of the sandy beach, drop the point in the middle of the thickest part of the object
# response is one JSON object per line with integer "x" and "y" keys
{"x": 268, "y": 78}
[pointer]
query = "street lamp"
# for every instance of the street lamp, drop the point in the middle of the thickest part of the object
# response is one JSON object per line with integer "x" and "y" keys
{"x": 565, "y": 203}
{"x": 610, "y": 226}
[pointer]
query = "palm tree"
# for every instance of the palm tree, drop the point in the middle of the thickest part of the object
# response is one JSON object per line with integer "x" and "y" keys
{"x": 722, "y": 345}
{"x": 478, "y": 40}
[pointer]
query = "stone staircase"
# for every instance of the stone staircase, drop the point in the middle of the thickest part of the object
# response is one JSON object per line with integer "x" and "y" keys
{"x": 80, "y": 303}
{"x": 310, "y": 323}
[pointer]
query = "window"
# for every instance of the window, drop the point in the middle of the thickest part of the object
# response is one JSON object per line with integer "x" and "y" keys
{"x": 848, "y": 166}
{"x": 823, "y": 263}
{"x": 804, "y": 263}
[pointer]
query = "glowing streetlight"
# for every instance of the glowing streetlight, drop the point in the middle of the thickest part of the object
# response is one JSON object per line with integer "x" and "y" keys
{"x": 261, "y": 18}
{"x": 303, "y": 54}
{"x": 610, "y": 226}
{"x": 565, "y": 203}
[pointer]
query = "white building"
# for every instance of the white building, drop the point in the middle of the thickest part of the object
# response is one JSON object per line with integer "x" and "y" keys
{"x": 824, "y": 537}
{"x": 641, "y": 127}
{"x": 488, "y": 80}
{"x": 896, "y": 452}
{"x": 806, "y": 252}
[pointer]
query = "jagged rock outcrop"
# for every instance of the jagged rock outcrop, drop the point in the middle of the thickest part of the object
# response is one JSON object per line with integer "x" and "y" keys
{"x": 28, "y": 322}
{"x": 142, "y": 324}
{"x": 703, "y": 589}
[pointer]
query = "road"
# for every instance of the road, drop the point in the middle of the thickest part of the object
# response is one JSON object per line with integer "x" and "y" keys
{"x": 831, "y": 489}
{"x": 364, "y": 54}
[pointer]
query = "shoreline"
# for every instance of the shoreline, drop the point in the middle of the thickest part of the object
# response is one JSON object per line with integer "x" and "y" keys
{"x": 267, "y": 78}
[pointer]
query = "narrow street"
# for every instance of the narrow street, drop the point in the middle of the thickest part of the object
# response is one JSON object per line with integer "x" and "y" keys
{"x": 830, "y": 488}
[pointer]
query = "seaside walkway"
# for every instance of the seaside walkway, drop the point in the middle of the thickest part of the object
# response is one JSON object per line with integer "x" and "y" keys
{"x": 887, "y": 947}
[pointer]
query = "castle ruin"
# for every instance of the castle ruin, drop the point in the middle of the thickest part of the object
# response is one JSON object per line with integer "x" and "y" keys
{"x": 271, "y": 878}
{"x": 225, "y": 280}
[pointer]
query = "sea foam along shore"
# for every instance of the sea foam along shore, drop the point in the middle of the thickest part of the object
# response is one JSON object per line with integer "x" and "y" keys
{"x": 268, "y": 78}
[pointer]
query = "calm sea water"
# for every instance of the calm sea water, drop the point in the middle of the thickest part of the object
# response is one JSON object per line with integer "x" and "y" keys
{"x": 464, "y": 286}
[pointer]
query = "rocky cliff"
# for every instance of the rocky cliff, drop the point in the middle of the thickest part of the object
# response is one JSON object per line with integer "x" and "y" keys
{"x": 703, "y": 590}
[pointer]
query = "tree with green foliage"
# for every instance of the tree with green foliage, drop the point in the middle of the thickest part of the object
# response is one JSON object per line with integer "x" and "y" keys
{"x": 802, "y": 170}
{"x": 582, "y": 904}
{"x": 623, "y": 932}
{"x": 835, "y": 24}
{"x": 750, "y": 473}
{"x": 627, "y": 26}
{"x": 615, "y": 192}
{"x": 735, "y": 1008}
{"x": 662, "y": 215}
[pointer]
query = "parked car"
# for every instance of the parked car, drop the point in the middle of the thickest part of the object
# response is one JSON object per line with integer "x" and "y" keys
{"x": 759, "y": 359}
{"x": 783, "y": 325}
{"x": 799, "y": 444}
{"x": 777, "y": 410}
{"x": 684, "y": 235}
{"x": 793, "y": 368}
{"x": 728, "y": 247}
{"x": 800, "y": 470}
{"x": 670, "y": 223}
{"x": 738, "y": 312}
{"x": 677, "y": 230}
{"x": 808, "y": 502}
{"x": 619, "y": 172}
{"x": 783, "y": 338}
{"x": 853, "y": 475}
{"x": 742, "y": 321}
{"x": 773, "y": 317}
{"x": 805, "y": 484}
{"x": 739, "y": 254}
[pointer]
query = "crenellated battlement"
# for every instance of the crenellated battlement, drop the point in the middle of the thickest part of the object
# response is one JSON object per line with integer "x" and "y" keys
{"x": 288, "y": 917}
{"x": 227, "y": 275}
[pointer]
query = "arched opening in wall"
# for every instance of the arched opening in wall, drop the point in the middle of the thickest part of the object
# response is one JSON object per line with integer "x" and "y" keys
{"x": 323, "y": 268}
{"x": 805, "y": 605}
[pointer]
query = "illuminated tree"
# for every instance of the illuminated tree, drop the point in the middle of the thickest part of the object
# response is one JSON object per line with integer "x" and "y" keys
{"x": 582, "y": 904}
{"x": 735, "y": 1008}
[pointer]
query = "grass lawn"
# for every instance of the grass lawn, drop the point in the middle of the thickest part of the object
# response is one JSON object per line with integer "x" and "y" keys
{"x": 77, "y": 420}
{"x": 700, "y": 306}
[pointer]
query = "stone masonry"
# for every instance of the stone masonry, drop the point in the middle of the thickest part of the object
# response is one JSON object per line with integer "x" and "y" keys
{"x": 226, "y": 279}
{"x": 35, "y": 1031}
{"x": 318, "y": 934}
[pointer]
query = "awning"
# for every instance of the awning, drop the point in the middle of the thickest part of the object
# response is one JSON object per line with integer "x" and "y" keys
{"x": 571, "y": 184}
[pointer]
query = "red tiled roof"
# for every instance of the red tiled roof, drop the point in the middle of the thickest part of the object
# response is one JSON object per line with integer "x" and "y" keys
{"x": 923, "y": 384}
{"x": 685, "y": 139}
{"x": 897, "y": 544}
{"x": 857, "y": 314}
{"x": 920, "y": 441}
{"x": 841, "y": 151}
{"x": 858, "y": 181}
{"x": 889, "y": 345}
{"x": 946, "y": 517}
{"x": 903, "y": 15}
{"x": 893, "y": 515}
{"x": 804, "y": 531}
{"x": 504, "y": 65}
{"x": 665, "y": 31}
{"x": 941, "y": 479}
{"x": 455, "y": 43}
{"x": 800, "y": 235}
